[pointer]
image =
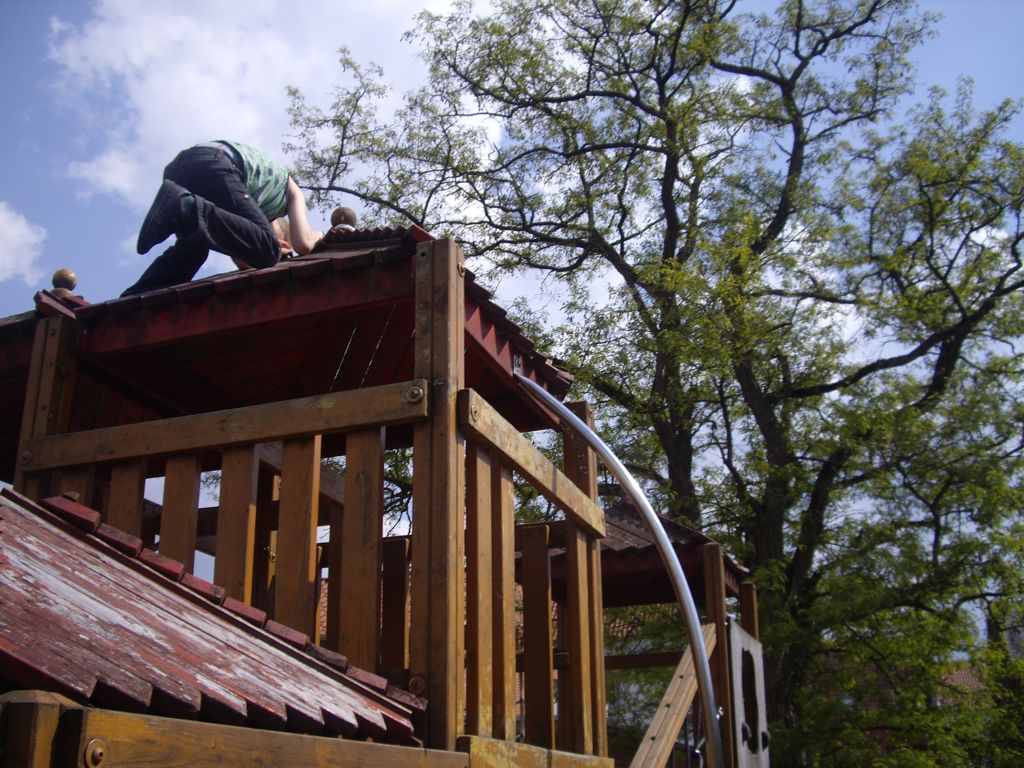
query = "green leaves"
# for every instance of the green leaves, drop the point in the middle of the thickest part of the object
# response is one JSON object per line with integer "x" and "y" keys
{"x": 796, "y": 299}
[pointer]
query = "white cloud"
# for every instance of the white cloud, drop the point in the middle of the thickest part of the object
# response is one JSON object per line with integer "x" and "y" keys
{"x": 149, "y": 79}
{"x": 21, "y": 244}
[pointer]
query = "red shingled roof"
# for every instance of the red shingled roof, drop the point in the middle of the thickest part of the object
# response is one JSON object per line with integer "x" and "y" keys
{"x": 85, "y": 611}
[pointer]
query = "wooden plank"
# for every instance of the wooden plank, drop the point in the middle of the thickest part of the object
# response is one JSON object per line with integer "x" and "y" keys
{"x": 538, "y": 685}
{"x": 48, "y": 397}
{"x": 651, "y": 660}
{"x": 503, "y": 601}
{"x": 395, "y": 604}
{"x": 356, "y": 630}
{"x": 332, "y": 484}
{"x": 268, "y": 495}
{"x": 479, "y": 606}
{"x": 303, "y": 417}
{"x": 126, "y": 501}
{"x": 236, "y": 522}
{"x": 491, "y": 753}
{"x": 180, "y": 509}
{"x": 77, "y": 482}
{"x": 438, "y": 536}
{"x": 484, "y": 424}
{"x": 577, "y": 709}
{"x": 581, "y": 467}
{"x": 141, "y": 741}
{"x": 714, "y": 596}
{"x": 295, "y": 588}
{"x": 28, "y": 727}
{"x": 657, "y": 743}
{"x": 748, "y": 609}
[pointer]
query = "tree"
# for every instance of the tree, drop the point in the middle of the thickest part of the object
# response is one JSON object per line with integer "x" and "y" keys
{"x": 796, "y": 299}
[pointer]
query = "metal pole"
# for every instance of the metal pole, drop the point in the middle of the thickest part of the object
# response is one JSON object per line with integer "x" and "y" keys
{"x": 668, "y": 556}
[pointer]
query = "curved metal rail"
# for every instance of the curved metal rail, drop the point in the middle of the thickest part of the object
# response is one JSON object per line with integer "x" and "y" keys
{"x": 668, "y": 556}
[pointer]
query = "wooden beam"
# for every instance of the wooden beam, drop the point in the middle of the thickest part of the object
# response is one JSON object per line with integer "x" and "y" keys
{"x": 491, "y": 753}
{"x": 484, "y": 424}
{"x": 581, "y": 467}
{"x": 236, "y": 522}
{"x": 303, "y": 417}
{"x": 748, "y": 609}
{"x": 714, "y": 596}
{"x": 295, "y": 595}
{"x": 575, "y": 707}
{"x": 28, "y": 727}
{"x": 479, "y": 606}
{"x": 354, "y": 596}
{"x": 657, "y": 743}
{"x": 438, "y": 536}
{"x": 138, "y": 741}
{"x": 538, "y": 653}
{"x": 181, "y": 509}
{"x": 503, "y": 601}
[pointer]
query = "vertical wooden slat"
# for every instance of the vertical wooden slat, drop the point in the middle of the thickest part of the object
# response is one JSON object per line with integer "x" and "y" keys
{"x": 48, "y": 396}
{"x": 180, "y": 510}
{"x": 79, "y": 481}
{"x": 748, "y": 609}
{"x": 126, "y": 502}
{"x": 236, "y": 522}
{"x": 355, "y": 597}
{"x": 479, "y": 574}
{"x": 578, "y": 641}
{"x": 438, "y": 547}
{"x": 538, "y": 654}
{"x": 295, "y": 589}
{"x": 268, "y": 494}
{"x": 503, "y": 601}
{"x": 714, "y": 595}
{"x": 395, "y": 605}
{"x": 581, "y": 468}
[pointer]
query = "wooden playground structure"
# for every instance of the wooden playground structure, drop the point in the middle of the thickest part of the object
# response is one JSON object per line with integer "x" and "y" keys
{"x": 480, "y": 640}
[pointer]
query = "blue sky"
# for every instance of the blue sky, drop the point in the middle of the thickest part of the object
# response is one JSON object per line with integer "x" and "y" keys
{"x": 100, "y": 95}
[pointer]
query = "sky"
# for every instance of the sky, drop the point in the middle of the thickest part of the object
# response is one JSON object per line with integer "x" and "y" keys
{"x": 101, "y": 95}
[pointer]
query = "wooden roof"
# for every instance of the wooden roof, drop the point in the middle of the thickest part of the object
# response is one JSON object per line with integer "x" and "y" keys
{"x": 339, "y": 318}
{"x": 86, "y": 612}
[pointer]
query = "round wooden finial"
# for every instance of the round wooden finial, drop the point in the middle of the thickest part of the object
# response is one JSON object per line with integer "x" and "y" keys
{"x": 343, "y": 215}
{"x": 64, "y": 281}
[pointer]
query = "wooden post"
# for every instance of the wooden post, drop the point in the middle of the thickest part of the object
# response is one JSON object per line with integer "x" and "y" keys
{"x": 438, "y": 546}
{"x": 714, "y": 595}
{"x": 48, "y": 396}
{"x": 503, "y": 601}
{"x": 181, "y": 509}
{"x": 538, "y": 656}
{"x": 126, "y": 501}
{"x": 295, "y": 591}
{"x": 585, "y": 611}
{"x": 236, "y": 522}
{"x": 268, "y": 495}
{"x": 28, "y": 727}
{"x": 353, "y": 587}
{"x": 479, "y": 575}
{"x": 748, "y": 609}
